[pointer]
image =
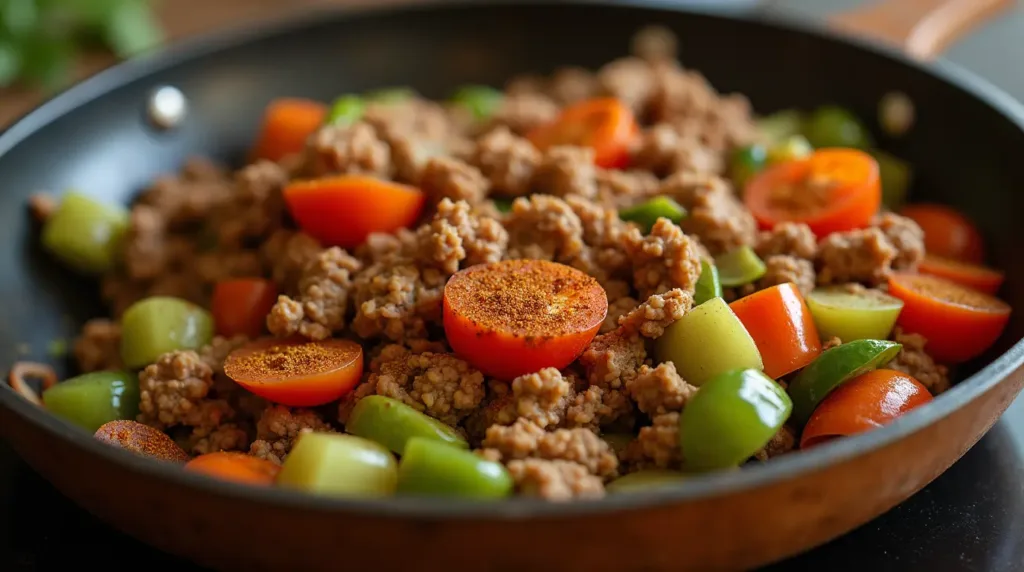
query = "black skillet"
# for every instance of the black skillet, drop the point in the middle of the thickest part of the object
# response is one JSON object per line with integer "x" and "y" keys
{"x": 96, "y": 137}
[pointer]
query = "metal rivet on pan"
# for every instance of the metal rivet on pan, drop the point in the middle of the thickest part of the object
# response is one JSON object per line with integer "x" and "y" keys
{"x": 167, "y": 107}
{"x": 895, "y": 113}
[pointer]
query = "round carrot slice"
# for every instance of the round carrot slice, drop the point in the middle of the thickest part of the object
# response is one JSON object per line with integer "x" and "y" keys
{"x": 974, "y": 276}
{"x": 866, "y": 402}
{"x": 605, "y": 124}
{"x": 344, "y": 210}
{"x": 287, "y": 123}
{"x": 831, "y": 191}
{"x": 297, "y": 373}
{"x": 959, "y": 323}
{"x": 519, "y": 316}
{"x": 947, "y": 233}
{"x": 236, "y": 467}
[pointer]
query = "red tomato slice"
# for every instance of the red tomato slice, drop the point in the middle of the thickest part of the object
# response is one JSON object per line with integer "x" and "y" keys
{"x": 865, "y": 402}
{"x": 831, "y": 191}
{"x": 240, "y": 306}
{"x": 287, "y": 123}
{"x": 959, "y": 323}
{"x": 782, "y": 327}
{"x": 344, "y": 210}
{"x": 235, "y": 467}
{"x": 947, "y": 233}
{"x": 605, "y": 124}
{"x": 980, "y": 278}
{"x": 297, "y": 373}
{"x": 519, "y": 316}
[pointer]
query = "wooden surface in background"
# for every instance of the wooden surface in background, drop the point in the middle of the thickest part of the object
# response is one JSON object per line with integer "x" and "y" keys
{"x": 181, "y": 18}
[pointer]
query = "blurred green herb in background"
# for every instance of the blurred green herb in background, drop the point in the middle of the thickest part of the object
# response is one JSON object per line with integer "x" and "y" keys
{"x": 41, "y": 39}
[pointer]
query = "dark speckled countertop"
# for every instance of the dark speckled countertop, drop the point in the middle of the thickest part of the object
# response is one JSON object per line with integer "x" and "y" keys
{"x": 971, "y": 519}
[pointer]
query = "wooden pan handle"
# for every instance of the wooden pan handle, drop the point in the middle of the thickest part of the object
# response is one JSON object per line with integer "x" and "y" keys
{"x": 923, "y": 28}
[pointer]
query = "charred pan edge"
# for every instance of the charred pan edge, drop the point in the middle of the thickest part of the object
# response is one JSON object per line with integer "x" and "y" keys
{"x": 518, "y": 509}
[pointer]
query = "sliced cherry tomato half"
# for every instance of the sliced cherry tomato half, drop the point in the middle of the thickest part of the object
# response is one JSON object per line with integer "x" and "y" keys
{"x": 235, "y": 467}
{"x": 974, "y": 276}
{"x": 782, "y": 327}
{"x": 519, "y": 316}
{"x": 831, "y": 191}
{"x": 287, "y": 123}
{"x": 240, "y": 306}
{"x": 605, "y": 124}
{"x": 344, "y": 210}
{"x": 958, "y": 322}
{"x": 297, "y": 373}
{"x": 947, "y": 233}
{"x": 866, "y": 402}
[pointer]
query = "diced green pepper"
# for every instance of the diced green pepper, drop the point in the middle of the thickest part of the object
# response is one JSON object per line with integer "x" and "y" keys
{"x": 739, "y": 266}
{"x": 647, "y": 213}
{"x": 706, "y": 342}
{"x": 339, "y": 465}
{"x": 747, "y": 162}
{"x": 708, "y": 285}
{"x": 645, "y": 481}
{"x": 346, "y": 110}
{"x": 780, "y": 125}
{"x": 160, "y": 324}
{"x": 834, "y": 367}
{"x": 502, "y": 204}
{"x": 84, "y": 233}
{"x": 432, "y": 468}
{"x": 482, "y": 100}
{"x": 390, "y": 95}
{"x": 93, "y": 399}
{"x": 790, "y": 148}
{"x": 392, "y": 423}
{"x": 833, "y": 126}
{"x": 853, "y": 315}
{"x": 732, "y": 417}
{"x": 896, "y": 176}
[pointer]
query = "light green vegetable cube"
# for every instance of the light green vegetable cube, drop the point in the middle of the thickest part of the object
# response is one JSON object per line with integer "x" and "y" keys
{"x": 393, "y": 423}
{"x": 708, "y": 341}
{"x": 161, "y": 324}
{"x": 339, "y": 465}
{"x": 84, "y": 233}
{"x": 93, "y": 399}
{"x": 850, "y": 315}
{"x": 433, "y": 468}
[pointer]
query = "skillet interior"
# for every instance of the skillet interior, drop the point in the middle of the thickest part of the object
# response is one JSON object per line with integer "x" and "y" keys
{"x": 963, "y": 146}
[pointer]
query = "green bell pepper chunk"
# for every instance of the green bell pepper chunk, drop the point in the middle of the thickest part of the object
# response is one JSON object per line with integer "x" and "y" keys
{"x": 645, "y": 481}
{"x": 390, "y": 95}
{"x": 732, "y": 417}
{"x": 896, "y": 176}
{"x": 869, "y": 314}
{"x": 160, "y": 324}
{"x": 790, "y": 148}
{"x": 833, "y": 126}
{"x": 740, "y": 266}
{"x": 502, "y": 204}
{"x": 392, "y": 423}
{"x": 93, "y": 399}
{"x": 337, "y": 465}
{"x": 482, "y": 100}
{"x": 432, "y": 468}
{"x": 647, "y": 213}
{"x": 833, "y": 368}
{"x": 85, "y": 234}
{"x": 780, "y": 125}
{"x": 346, "y": 110}
{"x": 747, "y": 162}
{"x": 708, "y": 341}
{"x": 708, "y": 285}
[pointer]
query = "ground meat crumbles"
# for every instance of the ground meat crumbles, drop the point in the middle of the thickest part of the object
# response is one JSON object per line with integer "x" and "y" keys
{"x": 493, "y": 193}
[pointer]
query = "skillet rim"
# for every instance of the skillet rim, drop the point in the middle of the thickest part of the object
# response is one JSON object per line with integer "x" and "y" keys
{"x": 751, "y": 477}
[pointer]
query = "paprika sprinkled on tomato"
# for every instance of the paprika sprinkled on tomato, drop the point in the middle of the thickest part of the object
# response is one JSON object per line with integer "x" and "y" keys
{"x": 519, "y": 316}
{"x": 297, "y": 373}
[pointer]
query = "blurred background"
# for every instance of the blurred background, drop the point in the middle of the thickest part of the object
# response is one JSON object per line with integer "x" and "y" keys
{"x": 47, "y": 44}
